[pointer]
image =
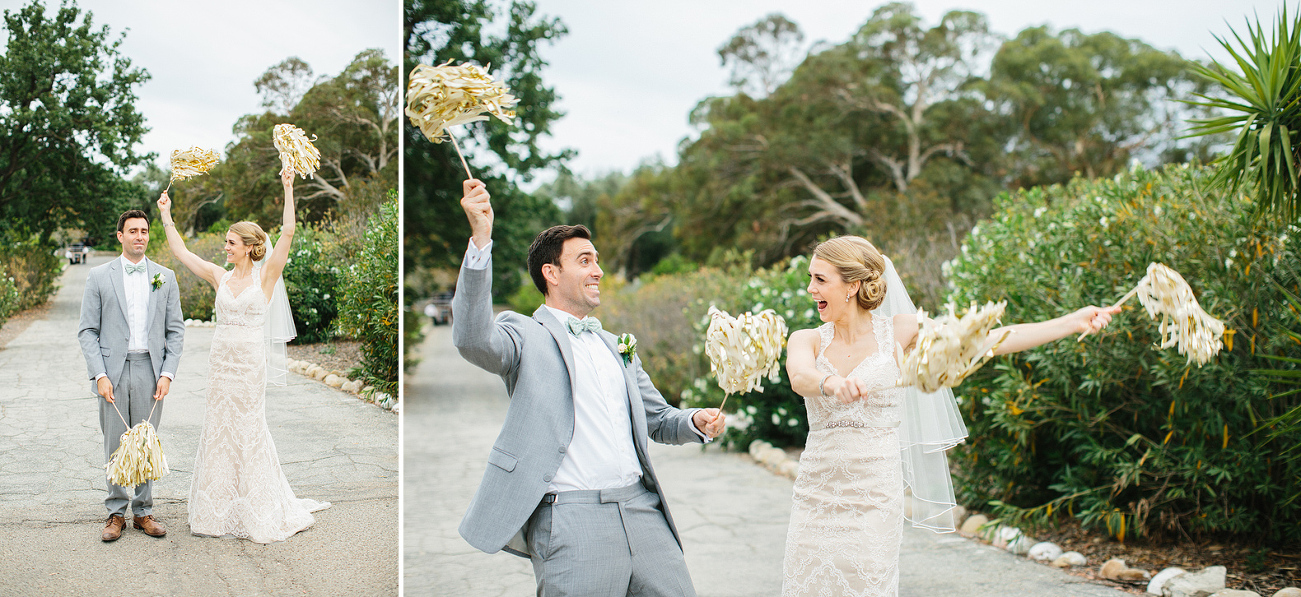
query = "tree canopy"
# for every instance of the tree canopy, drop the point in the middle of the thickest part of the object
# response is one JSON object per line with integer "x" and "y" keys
{"x": 68, "y": 122}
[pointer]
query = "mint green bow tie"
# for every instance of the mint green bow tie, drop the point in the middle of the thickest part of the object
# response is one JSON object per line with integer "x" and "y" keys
{"x": 139, "y": 267}
{"x": 576, "y": 327}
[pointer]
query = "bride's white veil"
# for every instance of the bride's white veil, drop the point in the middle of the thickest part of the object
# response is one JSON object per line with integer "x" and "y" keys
{"x": 278, "y": 330}
{"x": 931, "y": 424}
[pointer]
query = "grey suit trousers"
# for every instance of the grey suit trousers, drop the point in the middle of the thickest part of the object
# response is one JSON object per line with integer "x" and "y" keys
{"x": 606, "y": 543}
{"x": 134, "y": 398}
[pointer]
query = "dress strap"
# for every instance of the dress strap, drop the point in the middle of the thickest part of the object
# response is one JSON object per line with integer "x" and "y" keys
{"x": 825, "y": 333}
{"x": 226, "y": 276}
{"x": 883, "y": 327}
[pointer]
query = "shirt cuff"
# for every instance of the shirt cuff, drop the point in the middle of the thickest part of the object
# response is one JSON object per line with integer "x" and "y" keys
{"x": 476, "y": 258}
{"x": 106, "y": 375}
{"x": 702, "y": 434}
{"x": 168, "y": 375}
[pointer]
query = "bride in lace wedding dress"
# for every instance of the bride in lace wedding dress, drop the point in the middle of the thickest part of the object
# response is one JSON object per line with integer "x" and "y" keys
{"x": 238, "y": 487}
{"x": 871, "y": 443}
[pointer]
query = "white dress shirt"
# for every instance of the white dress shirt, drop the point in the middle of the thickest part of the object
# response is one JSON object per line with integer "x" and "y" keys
{"x": 601, "y": 454}
{"x": 136, "y": 287}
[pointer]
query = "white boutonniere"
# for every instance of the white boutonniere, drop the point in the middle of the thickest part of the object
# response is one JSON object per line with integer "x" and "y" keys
{"x": 627, "y": 348}
{"x": 157, "y": 282}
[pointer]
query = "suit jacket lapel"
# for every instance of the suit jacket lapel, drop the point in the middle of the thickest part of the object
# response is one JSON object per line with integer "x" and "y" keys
{"x": 115, "y": 277}
{"x": 561, "y": 335}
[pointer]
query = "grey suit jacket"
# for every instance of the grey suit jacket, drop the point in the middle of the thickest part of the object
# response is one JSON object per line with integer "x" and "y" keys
{"x": 534, "y": 358}
{"x": 104, "y": 331}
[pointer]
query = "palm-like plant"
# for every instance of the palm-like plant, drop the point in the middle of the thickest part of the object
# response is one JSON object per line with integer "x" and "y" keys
{"x": 1263, "y": 106}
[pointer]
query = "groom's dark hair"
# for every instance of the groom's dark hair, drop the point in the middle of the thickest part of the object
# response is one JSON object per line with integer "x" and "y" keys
{"x": 546, "y": 249}
{"x": 129, "y": 214}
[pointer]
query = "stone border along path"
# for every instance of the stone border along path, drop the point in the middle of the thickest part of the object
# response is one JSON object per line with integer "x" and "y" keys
{"x": 732, "y": 514}
{"x": 331, "y": 445}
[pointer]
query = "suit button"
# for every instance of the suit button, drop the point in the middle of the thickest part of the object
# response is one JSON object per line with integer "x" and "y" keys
{"x": 562, "y": 449}
{"x": 546, "y": 478}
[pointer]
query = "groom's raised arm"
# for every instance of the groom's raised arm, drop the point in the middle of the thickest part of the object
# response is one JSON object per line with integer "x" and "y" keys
{"x": 491, "y": 347}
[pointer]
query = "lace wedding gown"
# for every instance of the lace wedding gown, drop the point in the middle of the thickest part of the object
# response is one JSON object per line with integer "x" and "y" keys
{"x": 238, "y": 487}
{"x": 847, "y": 517}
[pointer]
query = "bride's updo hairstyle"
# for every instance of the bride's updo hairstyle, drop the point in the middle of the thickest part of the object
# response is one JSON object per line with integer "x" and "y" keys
{"x": 251, "y": 235}
{"x": 857, "y": 261}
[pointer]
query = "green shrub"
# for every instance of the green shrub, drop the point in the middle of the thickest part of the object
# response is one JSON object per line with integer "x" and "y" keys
{"x": 526, "y": 299}
{"x": 1120, "y": 435}
{"x": 35, "y": 270}
{"x": 10, "y": 298}
{"x": 312, "y": 279}
{"x": 197, "y": 295}
{"x": 369, "y": 307}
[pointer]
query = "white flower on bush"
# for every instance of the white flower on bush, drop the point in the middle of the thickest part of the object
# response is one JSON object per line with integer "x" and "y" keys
{"x": 776, "y": 420}
{"x": 793, "y": 422}
{"x": 1039, "y": 211}
{"x": 751, "y": 409}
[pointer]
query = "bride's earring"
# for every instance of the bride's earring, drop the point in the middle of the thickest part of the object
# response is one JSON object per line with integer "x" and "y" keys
{"x": 847, "y": 297}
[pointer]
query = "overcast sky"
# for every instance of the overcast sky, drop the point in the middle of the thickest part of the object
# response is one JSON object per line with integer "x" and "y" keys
{"x": 204, "y": 56}
{"x": 630, "y": 72}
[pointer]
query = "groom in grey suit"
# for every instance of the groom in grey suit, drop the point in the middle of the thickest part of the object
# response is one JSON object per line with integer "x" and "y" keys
{"x": 131, "y": 335}
{"x": 568, "y": 481}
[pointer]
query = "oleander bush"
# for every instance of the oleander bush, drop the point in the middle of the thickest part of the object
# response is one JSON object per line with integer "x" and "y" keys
{"x": 35, "y": 270}
{"x": 369, "y": 308}
{"x": 1112, "y": 431}
{"x": 10, "y": 298}
{"x": 312, "y": 279}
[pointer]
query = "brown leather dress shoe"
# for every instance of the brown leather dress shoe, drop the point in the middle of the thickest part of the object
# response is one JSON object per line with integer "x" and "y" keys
{"x": 151, "y": 527}
{"x": 113, "y": 527}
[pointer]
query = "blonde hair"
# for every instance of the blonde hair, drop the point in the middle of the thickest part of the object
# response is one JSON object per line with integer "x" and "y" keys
{"x": 857, "y": 261}
{"x": 251, "y": 235}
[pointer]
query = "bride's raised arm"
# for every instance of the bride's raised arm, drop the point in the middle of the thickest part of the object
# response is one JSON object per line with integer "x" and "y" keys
{"x": 1025, "y": 336}
{"x": 201, "y": 267}
{"x": 280, "y": 253}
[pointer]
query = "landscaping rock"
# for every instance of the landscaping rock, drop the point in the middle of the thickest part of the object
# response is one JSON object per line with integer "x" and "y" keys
{"x": 1045, "y": 551}
{"x": 1288, "y": 592}
{"x": 1021, "y": 545}
{"x": 334, "y": 381}
{"x": 790, "y": 468}
{"x": 1158, "y": 582}
{"x": 1203, "y": 583}
{"x": 1236, "y": 593}
{"x": 1004, "y": 535}
{"x": 971, "y": 526}
{"x": 959, "y": 516}
{"x": 1116, "y": 569}
{"x": 1070, "y": 558}
{"x": 353, "y": 386}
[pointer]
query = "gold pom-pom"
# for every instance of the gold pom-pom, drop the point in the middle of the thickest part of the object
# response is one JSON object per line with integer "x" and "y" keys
{"x": 138, "y": 458}
{"x": 442, "y": 96}
{"x": 297, "y": 154}
{"x": 187, "y": 163}
{"x": 949, "y": 348}
{"x": 1163, "y": 292}
{"x": 745, "y": 349}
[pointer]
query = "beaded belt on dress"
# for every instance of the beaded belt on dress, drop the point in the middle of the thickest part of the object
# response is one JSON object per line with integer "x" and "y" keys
{"x": 860, "y": 424}
{"x": 243, "y": 325}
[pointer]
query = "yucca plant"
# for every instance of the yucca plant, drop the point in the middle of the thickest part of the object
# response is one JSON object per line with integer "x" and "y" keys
{"x": 1262, "y": 107}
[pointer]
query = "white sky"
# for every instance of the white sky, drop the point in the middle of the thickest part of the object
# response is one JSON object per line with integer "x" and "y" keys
{"x": 204, "y": 56}
{"x": 628, "y": 73}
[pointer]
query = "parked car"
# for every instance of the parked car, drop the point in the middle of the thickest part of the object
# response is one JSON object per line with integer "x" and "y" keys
{"x": 76, "y": 253}
{"x": 439, "y": 308}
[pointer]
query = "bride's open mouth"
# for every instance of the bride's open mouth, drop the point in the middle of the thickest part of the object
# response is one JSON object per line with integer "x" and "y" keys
{"x": 822, "y": 305}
